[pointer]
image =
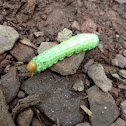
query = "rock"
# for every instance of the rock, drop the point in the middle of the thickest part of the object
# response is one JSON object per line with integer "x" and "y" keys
{"x": 97, "y": 74}
{"x": 22, "y": 68}
{"x": 122, "y": 73}
{"x": 122, "y": 86}
{"x": 102, "y": 106}
{"x": 75, "y": 25}
{"x": 11, "y": 84}
{"x": 36, "y": 122}
{"x": 64, "y": 35}
{"x": 22, "y": 52}
{"x": 121, "y": 1}
{"x": 5, "y": 62}
{"x": 56, "y": 97}
{"x": 120, "y": 122}
{"x": 8, "y": 36}
{"x": 69, "y": 65}
{"x": 45, "y": 46}
{"x": 21, "y": 94}
{"x": 100, "y": 46}
{"x": 83, "y": 124}
{"x": 2, "y": 56}
{"x": 123, "y": 109}
{"x": 88, "y": 26}
{"x": 114, "y": 92}
{"x": 119, "y": 61}
{"x": 25, "y": 117}
{"x": 124, "y": 52}
{"x": 78, "y": 86}
{"x": 91, "y": 61}
{"x": 87, "y": 82}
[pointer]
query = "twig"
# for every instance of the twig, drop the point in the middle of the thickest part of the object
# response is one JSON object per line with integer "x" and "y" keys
{"x": 25, "y": 103}
{"x": 86, "y": 110}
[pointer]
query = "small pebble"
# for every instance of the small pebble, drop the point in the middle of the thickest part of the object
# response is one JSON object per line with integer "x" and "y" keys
{"x": 76, "y": 25}
{"x": 21, "y": 94}
{"x": 78, "y": 86}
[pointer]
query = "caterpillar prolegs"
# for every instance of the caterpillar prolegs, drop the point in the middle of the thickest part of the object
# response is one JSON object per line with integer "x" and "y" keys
{"x": 75, "y": 44}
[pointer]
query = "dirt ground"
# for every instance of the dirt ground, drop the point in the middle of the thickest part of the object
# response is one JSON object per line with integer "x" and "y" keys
{"x": 105, "y": 18}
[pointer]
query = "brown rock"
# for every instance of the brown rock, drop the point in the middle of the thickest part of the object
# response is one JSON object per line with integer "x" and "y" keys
{"x": 25, "y": 117}
{"x": 114, "y": 92}
{"x": 5, "y": 62}
{"x": 22, "y": 52}
{"x": 88, "y": 26}
{"x": 76, "y": 25}
{"x": 11, "y": 84}
{"x": 120, "y": 122}
{"x": 2, "y": 56}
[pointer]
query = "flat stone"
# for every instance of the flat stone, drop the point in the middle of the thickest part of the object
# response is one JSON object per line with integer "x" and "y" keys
{"x": 11, "y": 84}
{"x": 25, "y": 117}
{"x": 119, "y": 61}
{"x": 22, "y": 52}
{"x": 123, "y": 109}
{"x": 8, "y": 36}
{"x": 56, "y": 97}
{"x": 69, "y": 65}
{"x": 120, "y": 122}
{"x": 83, "y": 124}
{"x": 102, "y": 106}
{"x": 64, "y": 35}
{"x": 97, "y": 74}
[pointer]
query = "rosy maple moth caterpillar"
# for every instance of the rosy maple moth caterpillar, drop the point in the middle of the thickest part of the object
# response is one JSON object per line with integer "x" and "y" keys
{"x": 75, "y": 44}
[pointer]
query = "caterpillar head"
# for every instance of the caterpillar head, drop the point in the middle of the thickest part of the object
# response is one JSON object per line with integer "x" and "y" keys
{"x": 31, "y": 66}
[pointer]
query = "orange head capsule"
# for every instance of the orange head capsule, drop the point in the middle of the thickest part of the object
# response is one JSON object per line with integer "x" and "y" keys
{"x": 31, "y": 66}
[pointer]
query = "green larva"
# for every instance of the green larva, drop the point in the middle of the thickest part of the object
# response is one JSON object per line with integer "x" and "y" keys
{"x": 75, "y": 44}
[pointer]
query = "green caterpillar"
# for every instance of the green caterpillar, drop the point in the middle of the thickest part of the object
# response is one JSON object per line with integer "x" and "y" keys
{"x": 75, "y": 44}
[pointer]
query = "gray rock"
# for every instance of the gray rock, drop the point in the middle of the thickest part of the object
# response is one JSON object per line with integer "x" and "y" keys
{"x": 8, "y": 36}
{"x": 119, "y": 61}
{"x": 123, "y": 109}
{"x": 122, "y": 73}
{"x": 25, "y": 117}
{"x": 57, "y": 99}
{"x": 78, "y": 86}
{"x": 64, "y": 35}
{"x": 11, "y": 84}
{"x": 120, "y": 122}
{"x": 97, "y": 74}
{"x": 83, "y": 124}
{"x": 69, "y": 65}
{"x": 103, "y": 107}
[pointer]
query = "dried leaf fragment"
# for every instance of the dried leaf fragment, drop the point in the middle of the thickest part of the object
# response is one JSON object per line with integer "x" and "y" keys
{"x": 28, "y": 42}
